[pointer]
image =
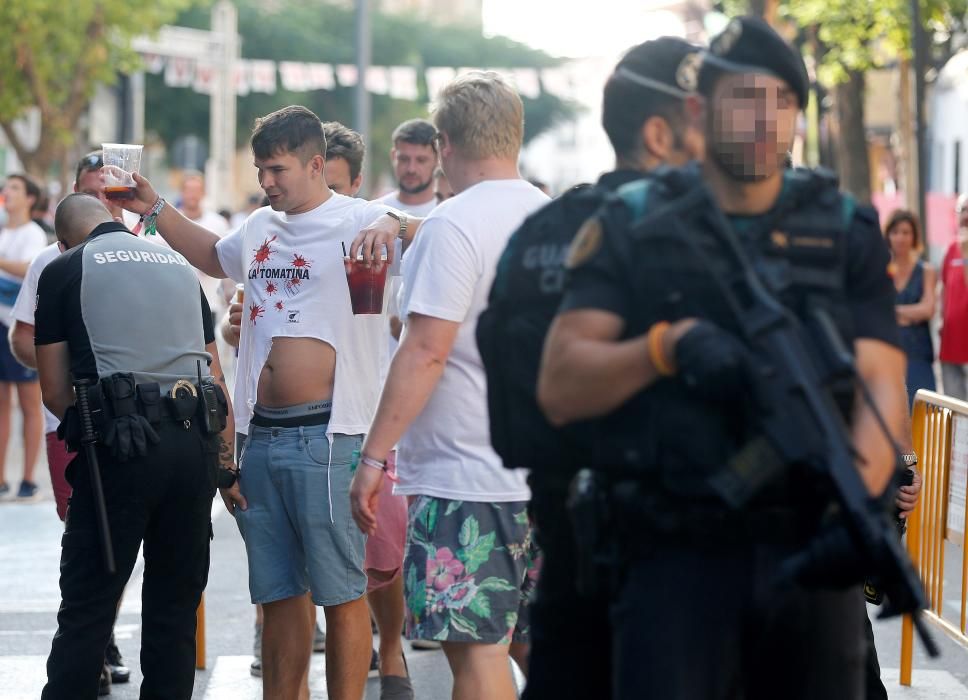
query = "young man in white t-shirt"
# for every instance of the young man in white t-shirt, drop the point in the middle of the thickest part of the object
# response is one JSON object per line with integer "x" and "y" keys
{"x": 470, "y": 560}
{"x": 20, "y": 241}
{"x": 345, "y": 152}
{"x": 307, "y": 384}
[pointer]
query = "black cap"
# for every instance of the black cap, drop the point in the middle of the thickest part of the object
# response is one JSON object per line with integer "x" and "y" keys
{"x": 656, "y": 65}
{"x": 750, "y": 45}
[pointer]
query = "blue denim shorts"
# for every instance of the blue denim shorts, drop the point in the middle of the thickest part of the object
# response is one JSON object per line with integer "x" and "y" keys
{"x": 299, "y": 535}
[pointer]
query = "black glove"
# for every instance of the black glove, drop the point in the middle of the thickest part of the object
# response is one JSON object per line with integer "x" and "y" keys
{"x": 712, "y": 363}
{"x": 128, "y": 436}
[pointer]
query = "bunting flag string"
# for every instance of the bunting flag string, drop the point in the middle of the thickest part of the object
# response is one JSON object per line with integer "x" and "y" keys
{"x": 399, "y": 82}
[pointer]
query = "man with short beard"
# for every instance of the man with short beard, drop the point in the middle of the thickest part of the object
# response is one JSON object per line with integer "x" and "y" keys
{"x": 414, "y": 159}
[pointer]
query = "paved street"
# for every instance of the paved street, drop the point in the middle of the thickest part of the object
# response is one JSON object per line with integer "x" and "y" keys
{"x": 29, "y": 600}
{"x": 29, "y": 550}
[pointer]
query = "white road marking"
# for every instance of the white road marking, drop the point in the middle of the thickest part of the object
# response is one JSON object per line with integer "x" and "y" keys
{"x": 23, "y": 677}
{"x": 230, "y": 679}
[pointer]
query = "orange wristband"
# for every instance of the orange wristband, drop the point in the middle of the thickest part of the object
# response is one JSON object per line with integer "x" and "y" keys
{"x": 654, "y": 340}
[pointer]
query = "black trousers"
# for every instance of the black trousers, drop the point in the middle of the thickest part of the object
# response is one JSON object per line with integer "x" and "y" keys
{"x": 570, "y": 635}
{"x": 163, "y": 500}
{"x": 875, "y": 686}
{"x": 709, "y": 623}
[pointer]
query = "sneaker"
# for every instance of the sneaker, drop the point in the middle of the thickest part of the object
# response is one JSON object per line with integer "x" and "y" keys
{"x": 424, "y": 644}
{"x": 27, "y": 491}
{"x": 4, "y": 489}
{"x": 319, "y": 640}
{"x": 255, "y": 668}
{"x": 374, "y": 665}
{"x": 112, "y": 659}
{"x": 104, "y": 684}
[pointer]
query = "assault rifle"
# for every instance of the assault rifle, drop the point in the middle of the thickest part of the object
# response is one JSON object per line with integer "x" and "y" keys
{"x": 798, "y": 420}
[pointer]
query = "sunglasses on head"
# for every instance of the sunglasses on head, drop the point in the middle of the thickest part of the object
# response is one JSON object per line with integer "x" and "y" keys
{"x": 91, "y": 161}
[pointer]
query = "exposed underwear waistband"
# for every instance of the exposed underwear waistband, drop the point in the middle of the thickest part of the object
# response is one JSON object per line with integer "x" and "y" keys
{"x": 303, "y": 414}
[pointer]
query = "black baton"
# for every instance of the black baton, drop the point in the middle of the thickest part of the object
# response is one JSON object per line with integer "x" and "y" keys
{"x": 88, "y": 440}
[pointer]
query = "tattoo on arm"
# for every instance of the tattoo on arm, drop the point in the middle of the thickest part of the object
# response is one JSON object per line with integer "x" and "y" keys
{"x": 225, "y": 453}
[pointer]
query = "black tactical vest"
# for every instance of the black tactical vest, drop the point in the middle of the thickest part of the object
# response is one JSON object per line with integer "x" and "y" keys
{"x": 799, "y": 251}
{"x": 523, "y": 301}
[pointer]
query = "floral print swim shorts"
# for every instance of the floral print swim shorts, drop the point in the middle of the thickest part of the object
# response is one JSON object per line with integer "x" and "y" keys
{"x": 470, "y": 570}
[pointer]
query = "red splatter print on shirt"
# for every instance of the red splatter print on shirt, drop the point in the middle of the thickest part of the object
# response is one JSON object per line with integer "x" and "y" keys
{"x": 263, "y": 253}
{"x": 279, "y": 306}
{"x": 256, "y": 311}
{"x": 299, "y": 261}
{"x": 271, "y": 288}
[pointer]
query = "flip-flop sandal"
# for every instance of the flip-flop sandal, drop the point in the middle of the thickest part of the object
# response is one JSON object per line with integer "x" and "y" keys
{"x": 397, "y": 687}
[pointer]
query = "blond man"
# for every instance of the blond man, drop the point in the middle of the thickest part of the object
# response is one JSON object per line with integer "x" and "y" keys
{"x": 470, "y": 560}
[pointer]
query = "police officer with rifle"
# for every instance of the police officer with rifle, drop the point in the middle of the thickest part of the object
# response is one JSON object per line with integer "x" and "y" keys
{"x": 126, "y": 355}
{"x": 733, "y": 325}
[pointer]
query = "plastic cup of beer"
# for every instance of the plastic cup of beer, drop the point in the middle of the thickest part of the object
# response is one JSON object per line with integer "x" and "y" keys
{"x": 120, "y": 161}
{"x": 367, "y": 284}
{"x": 239, "y": 293}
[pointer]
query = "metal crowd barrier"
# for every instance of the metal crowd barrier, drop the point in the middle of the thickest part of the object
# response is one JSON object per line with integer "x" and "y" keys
{"x": 939, "y": 429}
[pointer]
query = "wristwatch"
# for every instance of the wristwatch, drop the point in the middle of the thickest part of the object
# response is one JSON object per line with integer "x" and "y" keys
{"x": 910, "y": 459}
{"x": 403, "y": 221}
{"x": 227, "y": 477}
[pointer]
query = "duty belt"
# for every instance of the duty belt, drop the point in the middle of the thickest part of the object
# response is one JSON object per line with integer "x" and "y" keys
{"x": 180, "y": 405}
{"x": 636, "y": 509}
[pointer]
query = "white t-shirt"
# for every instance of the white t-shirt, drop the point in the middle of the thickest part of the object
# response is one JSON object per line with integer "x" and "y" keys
{"x": 22, "y": 244}
{"x": 217, "y": 224}
{"x": 23, "y": 308}
{"x": 419, "y": 211}
{"x": 447, "y": 274}
{"x": 295, "y": 286}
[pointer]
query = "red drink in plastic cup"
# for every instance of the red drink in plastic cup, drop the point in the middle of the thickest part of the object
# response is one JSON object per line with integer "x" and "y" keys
{"x": 119, "y": 192}
{"x": 366, "y": 285}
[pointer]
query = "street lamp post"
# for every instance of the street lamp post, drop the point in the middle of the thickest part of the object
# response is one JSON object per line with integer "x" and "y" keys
{"x": 363, "y": 57}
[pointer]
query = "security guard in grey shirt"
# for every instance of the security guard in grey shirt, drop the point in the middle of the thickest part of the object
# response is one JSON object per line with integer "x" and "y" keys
{"x": 128, "y": 316}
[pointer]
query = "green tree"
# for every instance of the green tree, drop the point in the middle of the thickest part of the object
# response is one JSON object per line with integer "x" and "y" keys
{"x": 53, "y": 55}
{"x": 321, "y": 31}
{"x": 848, "y": 38}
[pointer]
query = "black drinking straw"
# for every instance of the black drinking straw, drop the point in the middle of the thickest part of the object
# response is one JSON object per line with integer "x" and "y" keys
{"x": 343, "y": 243}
